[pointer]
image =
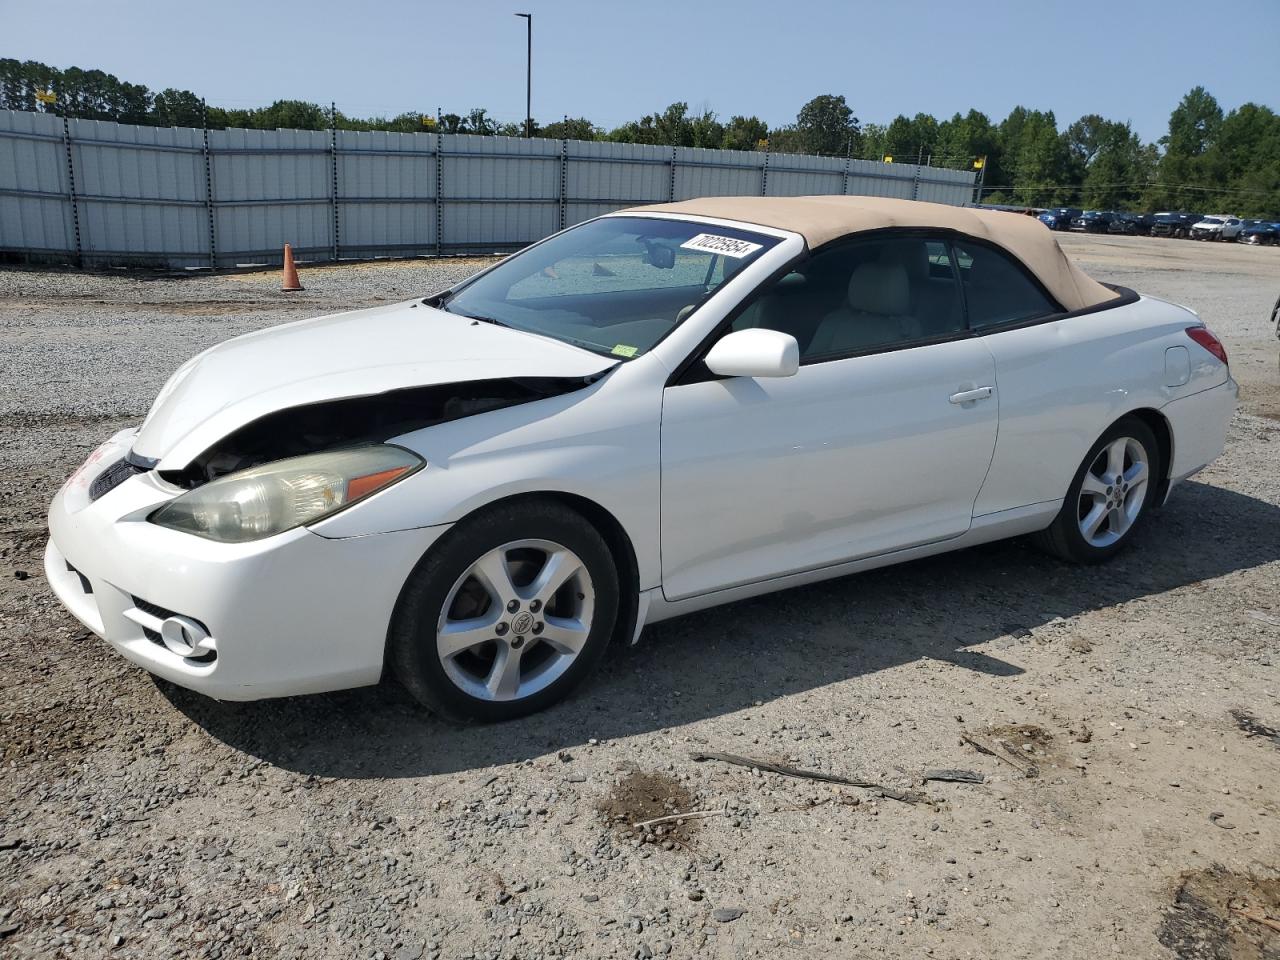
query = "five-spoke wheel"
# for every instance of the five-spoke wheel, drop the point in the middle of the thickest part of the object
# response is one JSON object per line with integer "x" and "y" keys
{"x": 515, "y": 620}
{"x": 1109, "y": 496}
{"x": 1113, "y": 491}
{"x": 507, "y": 613}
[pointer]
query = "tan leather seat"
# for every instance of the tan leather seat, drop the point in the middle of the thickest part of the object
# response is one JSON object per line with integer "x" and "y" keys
{"x": 878, "y": 311}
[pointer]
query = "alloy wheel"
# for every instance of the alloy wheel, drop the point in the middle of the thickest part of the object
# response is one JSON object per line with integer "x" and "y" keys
{"x": 516, "y": 620}
{"x": 1113, "y": 492}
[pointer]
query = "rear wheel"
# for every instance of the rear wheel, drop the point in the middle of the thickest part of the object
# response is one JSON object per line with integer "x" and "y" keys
{"x": 507, "y": 614}
{"x": 1109, "y": 497}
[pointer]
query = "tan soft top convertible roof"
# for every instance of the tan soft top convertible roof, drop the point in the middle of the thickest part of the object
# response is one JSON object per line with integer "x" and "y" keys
{"x": 823, "y": 219}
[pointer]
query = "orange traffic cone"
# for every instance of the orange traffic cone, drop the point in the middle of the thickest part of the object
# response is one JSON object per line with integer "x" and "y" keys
{"x": 290, "y": 281}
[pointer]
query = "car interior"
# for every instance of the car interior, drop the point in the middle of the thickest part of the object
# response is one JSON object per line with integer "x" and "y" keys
{"x": 862, "y": 295}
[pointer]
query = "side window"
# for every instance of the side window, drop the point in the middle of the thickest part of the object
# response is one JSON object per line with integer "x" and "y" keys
{"x": 996, "y": 290}
{"x": 863, "y": 295}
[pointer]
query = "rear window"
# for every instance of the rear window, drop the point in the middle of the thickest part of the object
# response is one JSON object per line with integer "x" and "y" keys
{"x": 996, "y": 289}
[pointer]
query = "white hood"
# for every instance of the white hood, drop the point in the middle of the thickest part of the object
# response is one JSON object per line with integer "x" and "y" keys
{"x": 360, "y": 353}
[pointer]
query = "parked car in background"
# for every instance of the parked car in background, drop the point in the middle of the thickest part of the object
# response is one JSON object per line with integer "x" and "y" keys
{"x": 1260, "y": 233}
{"x": 1217, "y": 227}
{"x": 1175, "y": 225}
{"x": 651, "y": 413}
{"x": 1131, "y": 224}
{"x": 1059, "y": 218}
{"x": 1093, "y": 221}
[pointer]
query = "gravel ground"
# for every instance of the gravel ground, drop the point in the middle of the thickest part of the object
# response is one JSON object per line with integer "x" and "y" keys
{"x": 140, "y": 820}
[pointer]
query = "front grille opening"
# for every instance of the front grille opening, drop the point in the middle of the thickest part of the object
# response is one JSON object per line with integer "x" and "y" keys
{"x": 157, "y": 611}
{"x": 85, "y": 585}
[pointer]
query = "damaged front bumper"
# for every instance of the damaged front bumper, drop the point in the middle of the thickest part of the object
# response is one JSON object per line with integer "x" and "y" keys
{"x": 289, "y": 614}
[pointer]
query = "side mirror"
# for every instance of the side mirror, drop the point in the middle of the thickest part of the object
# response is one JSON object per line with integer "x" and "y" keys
{"x": 755, "y": 353}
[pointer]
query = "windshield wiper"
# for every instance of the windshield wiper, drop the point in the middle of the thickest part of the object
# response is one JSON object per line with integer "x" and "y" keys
{"x": 443, "y": 305}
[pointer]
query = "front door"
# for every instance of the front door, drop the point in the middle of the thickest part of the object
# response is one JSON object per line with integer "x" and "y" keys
{"x": 880, "y": 442}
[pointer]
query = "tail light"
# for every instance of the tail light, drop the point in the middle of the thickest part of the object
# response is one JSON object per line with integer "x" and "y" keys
{"x": 1206, "y": 339}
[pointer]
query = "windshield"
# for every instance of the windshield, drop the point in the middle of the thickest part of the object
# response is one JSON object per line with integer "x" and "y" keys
{"x": 616, "y": 285}
{"x": 1210, "y": 220}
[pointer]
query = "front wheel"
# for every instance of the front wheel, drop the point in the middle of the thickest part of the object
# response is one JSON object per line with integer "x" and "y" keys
{"x": 1110, "y": 495}
{"x": 507, "y": 614}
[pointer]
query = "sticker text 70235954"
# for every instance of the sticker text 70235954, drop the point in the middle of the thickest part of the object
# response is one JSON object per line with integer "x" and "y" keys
{"x": 725, "y": 246}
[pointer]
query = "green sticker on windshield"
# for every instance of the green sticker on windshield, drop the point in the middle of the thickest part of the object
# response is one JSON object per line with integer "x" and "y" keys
{"x": 623, "y": 350}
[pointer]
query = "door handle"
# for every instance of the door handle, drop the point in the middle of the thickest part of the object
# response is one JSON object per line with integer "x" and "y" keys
{"x": 968, "y": 396}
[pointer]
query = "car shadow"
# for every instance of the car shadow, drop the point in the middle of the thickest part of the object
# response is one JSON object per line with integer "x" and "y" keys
{"x": 723, "y": 660}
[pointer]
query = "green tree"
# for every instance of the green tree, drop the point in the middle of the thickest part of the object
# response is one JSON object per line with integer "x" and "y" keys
{"x": 874, "y": 139}
{"x": 786, "y": 140}
{"x": 96, "y": 95}
{"x": 1033, "y": 158}
{"x": 19, "y": 81}
{"x": 826, "y": 125}
{"x": 673, "y": 127}
{"x": 1085, "y": 137}
{"x": 961, "y": 140}
{"x": 1194, "y": 124}
{"x": 1118, "y": 169}
{"x": 1245, "y": 157}
{"x": 744, "y": 133}
{"x": 571, "y": 128}
{"x": 177, "y": 108}
{"x": 705, "y": 130}
{"x": 1186, "y": 178}
{"x": 909, "y": 138}
{"x": 479, "y": 122}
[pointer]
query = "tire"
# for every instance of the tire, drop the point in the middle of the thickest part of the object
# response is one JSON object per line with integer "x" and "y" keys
{"x": 452, "y": 598}
{"x": 1124, "y": 507}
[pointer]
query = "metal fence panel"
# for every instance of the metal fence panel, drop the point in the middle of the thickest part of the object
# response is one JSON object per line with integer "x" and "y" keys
{"x": 499, "y": 192}
{"x": 870, "y": 179}
{"x": 147, "y": 202}
{"x": 701, "y": 172}
{"x": 182, "y": 197}
{"x": 796, "y": 175}
{"x": 618, "y": 174}
{"x": 941, "y": 185}
{"x": 35, "y": 206}
{"x": 272, "y": 187}
{"x": 386, "y": 193}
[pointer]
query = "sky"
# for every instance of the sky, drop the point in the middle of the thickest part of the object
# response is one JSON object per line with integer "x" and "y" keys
{"x": 612, "y": 62}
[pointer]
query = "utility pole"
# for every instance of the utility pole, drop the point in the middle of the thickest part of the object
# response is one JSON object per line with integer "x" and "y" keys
{"x": 528, "y": 80}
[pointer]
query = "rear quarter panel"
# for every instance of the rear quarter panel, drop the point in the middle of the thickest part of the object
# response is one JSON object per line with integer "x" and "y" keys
{"x": 1061, "y": 384}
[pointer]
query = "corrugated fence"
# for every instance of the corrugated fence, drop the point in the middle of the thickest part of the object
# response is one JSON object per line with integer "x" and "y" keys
{"x": 104, "y": 193}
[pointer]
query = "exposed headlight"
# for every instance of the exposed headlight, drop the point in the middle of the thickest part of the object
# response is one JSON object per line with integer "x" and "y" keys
{"x": 275, "y": 497}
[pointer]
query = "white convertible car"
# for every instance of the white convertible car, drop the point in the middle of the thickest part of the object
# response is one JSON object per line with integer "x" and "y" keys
{"x": 650, "y": 413}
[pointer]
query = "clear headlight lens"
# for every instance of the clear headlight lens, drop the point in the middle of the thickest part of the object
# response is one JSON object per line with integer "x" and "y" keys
{"x": 275, "y": 497}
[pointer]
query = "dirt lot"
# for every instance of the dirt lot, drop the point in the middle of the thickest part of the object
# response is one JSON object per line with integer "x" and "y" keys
{"x": 1130, "y": 803}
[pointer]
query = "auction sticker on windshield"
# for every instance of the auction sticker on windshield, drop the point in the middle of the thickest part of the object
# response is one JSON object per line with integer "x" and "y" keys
{"x": 725, "y": 246}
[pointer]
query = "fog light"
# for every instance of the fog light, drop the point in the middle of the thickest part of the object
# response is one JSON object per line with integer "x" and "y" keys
{"x": 185, "y": 637}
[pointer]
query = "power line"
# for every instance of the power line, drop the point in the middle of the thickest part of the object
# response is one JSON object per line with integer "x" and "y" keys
{"x": 1136, "y": 184}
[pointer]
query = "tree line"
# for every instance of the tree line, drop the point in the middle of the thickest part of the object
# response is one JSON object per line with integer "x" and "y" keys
{"x": 1209, "y": 159}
